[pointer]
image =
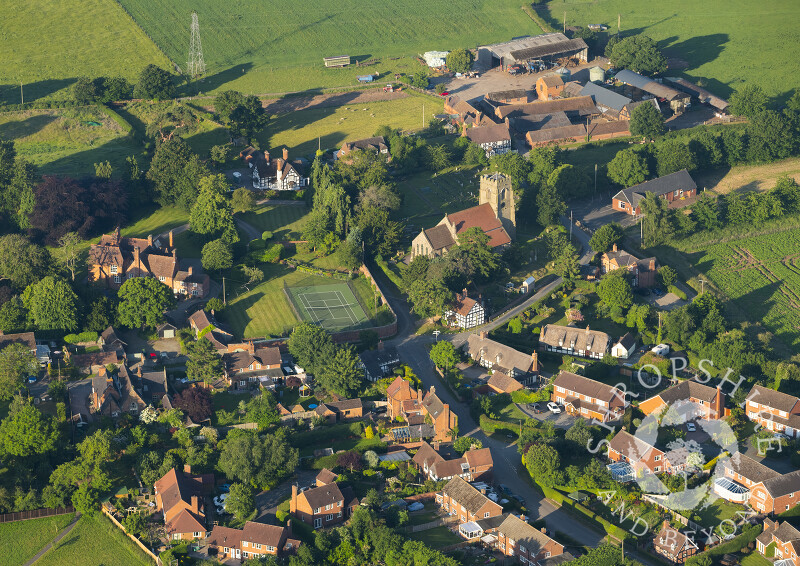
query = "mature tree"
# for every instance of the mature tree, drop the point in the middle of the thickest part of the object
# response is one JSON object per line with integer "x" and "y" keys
{"x": 787, "y": 191}
{"x": 116, "y": 88}
{"x": 544, "y": 465}
{"x": 51, "y": 304}
{"x": 243, "y": 200}
{"x": 13, "y": 316}
{"x": 515, "y": 166}
{"x": 657, "y": 225}
{"x": 473, "y": 247}
{"x": 628, "y": 168}
{"x": 16, "y": 363}
{"x": 217, "y": 255}
{"x": 464, "y": 443}
{"x": 615, "y": 290}
{"x": 749, "y": 101}
{"x": 103, "y": 170}
{"x": 430, "y": 297}
{"x": 475, "y": 156}
{"x": 350, "y": 460}
{"x": 204, "y": 362}
{"x": 219, "y": 154}
{"x": 142, "y": 302}
{"x": 167, "y": 171}
{"x": 84, "y": 91}
{"x": 17, "y": 196}
{"x": 68, "y": 252}
{"x": 550, "y": 206}
{"x": 667, "y": 275}
{"x": 579, "y": 433}
{"x": 240, "y": 501}
{"x": 195, "y": 401}
{"x": 770, "y": 137}
{"x": 341, "y": 374}
{"x": 647, "y": 121}
{"x": 259, "y": 462}
{"x": 263, "y": 410}
{"x": 443, "y": 354}
{"x": 672, "y": 156}
{"x": 248, "y": 117}
{"x": 566, "y": 263}
{"x": 21, "y": 262}
{"x": 640, "y": 54}
{"x": 212, "y": 214}
{"x": 26, "y": 431}
{"x": 254, "y": 275}
{"x": 101, "y": 315}
{"x": 605, "y": 237}
{"x": 226, "y": 101}
{"x": 156, "y": 83}
{"x": 379, "y": 196}
{"x": 569, "y": 181}
{"x": 311, "y": 346}
{"x": 460, "y": 60}
{"x": 380, "y": 235}
{"x": 705, "y": 213}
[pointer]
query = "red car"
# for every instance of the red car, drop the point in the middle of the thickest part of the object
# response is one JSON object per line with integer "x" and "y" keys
{"x": 445, "y": 93}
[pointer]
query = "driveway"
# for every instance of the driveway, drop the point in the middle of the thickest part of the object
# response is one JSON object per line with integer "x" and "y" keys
{"x": 267, "y": 501}
{"x": 79, "y": 392}
{"x": 597, "y": 212}
{"x": 561, "y": 420}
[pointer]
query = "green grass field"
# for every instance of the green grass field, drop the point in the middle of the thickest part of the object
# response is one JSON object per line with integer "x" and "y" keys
{"x": 94, "y": 541}
{"x": 46, "y": 45}
{"x": 20, "y": 541}
{"x": 332, "y": 306}
{"x": 68, "y": 140}
{"x": 760, "y": 274}
{"x": 285, "y": 222}
{"x": 724, "y": 42}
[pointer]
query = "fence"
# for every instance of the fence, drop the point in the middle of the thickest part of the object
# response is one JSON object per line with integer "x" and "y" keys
{"x": 440, "y": 522}
{"x": 35, "y": 514}
{"x": 139, "y": 543}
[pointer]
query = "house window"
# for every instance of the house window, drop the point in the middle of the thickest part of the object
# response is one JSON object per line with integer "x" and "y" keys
{"x": 245, "y": 544}
{"x": 657, "y": 469}
{"x": 329, "y": 517}
{"x": 486, "y": 515}
{"x": 176, "y": 536}
{"x": 196, "y": 535}
{"x": 547, "y": 555}
{"x": 162, "y": 278}
{"x": 317, "y": 510}
{"x": 657, "y": 458}
{"x": 195, "y": 293}
{"x": 522, "y": 549}
{"x": 117, "y": 279}
{"x": 328, "y": 507}
{"x": 340, "y": 514}
{"x": 257, "y": 546}
{"x": 114, "y": 269}
{"x": 272, "y": 548}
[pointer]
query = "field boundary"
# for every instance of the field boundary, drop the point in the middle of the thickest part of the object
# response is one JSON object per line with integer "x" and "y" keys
{"x": 35, "y": 514}
{"x": 139, "y": 543}
{"x": 147, "y": 35}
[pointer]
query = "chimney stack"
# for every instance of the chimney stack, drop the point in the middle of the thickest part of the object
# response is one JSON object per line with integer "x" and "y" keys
{"x": 136, "y": 255}
{"x": 196, "y": 504}
{"x": 139, "y": 370}
{"x": 187, "y": 469}
{"x": 483, "y": 334}
{"x": 285, "y": 154}
{"x": 652, "y": 265}
{"x": 189, "y": 270}
{"x": 150, "y": 240}
{"x": 380, "y": 345}
{"x": 266, "y": 155}
{"x": 171, "y": 240}
{"x": 464, "y": 131}
{"x": 465, "y": 293}
{"x": 614, "y": 248}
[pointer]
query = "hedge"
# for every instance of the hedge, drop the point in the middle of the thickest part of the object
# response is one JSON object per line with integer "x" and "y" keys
{"x": 273, "y": 254}
{"x": 610, "y": 528}
{"x": 82, "y": 337}
{"x": 748, "y": 535}
{"x": 524, "y": 396}
{"x": 676, "y": 291}
{"x": 120, "y": 121}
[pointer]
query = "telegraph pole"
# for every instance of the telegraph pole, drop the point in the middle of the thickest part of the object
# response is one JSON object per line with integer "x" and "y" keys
{"x": 565, "y": 22}
{"x": 21, "y": 94}
{"x": 224, "y": 301}
{"x": 423, "y": 115}
{"x": 570, "y": 225}
{"x": 595, "y": 181}
{"x": 702, "y": 286}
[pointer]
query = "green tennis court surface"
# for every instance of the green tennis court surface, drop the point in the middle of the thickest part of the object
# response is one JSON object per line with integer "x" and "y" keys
{"x": 334, "y": 307}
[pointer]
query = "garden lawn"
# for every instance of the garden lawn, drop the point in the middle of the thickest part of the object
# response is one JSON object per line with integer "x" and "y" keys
{"x": 94, "y": 541}
{"x": 717, "y": 512}
{"x": 20, "y": 541}
{"x": 284, "y": 221}
{"x": 304, "y": 131}
{"x": 437, "y": 537}
{"x": 67, "y": 141}
{"x": 755, "y": 559}
{"x": 724, "y": 42}
{"x": 47, "y": 44}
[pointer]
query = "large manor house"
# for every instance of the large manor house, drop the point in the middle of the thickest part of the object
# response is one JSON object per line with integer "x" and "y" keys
{"x": 495, "y": 215}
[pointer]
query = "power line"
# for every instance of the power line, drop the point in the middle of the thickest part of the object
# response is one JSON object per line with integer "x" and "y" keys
{"x": 196, "y": 65}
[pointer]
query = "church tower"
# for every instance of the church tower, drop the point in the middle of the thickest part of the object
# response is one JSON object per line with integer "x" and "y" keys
{"x": 496, "y": 190}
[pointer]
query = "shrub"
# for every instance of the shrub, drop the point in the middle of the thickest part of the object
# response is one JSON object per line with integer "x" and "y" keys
{"x": 676, "y": 291}
{"x": 273, "y": 254}
{"x": 266, "y": 235}
{"x": 82, "y": 337}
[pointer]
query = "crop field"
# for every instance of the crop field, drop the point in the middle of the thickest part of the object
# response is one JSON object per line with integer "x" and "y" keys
{"x": 258, "y": 45}
{"x": 724, "y": 42}
{"x": 46, "y": 45}
{"x": 67, "y": 141}
{"x": 761, "y": 275}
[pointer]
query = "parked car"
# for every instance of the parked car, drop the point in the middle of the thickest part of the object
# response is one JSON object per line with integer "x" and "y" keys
{"x": 661, "y": 350}
{"x": 535, "y": 407}
{"x": 31, "y": 379}
{"x": 505, "y": 488}
{"x": 519, "y": 498}
{"x": 691, "y": 427}
{"x": 445, "y": 93}
{"x": 554, "y": 408}
{"x": 658, "y": 292}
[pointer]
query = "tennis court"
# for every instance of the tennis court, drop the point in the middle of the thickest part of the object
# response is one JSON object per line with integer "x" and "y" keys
{"x": 334, "y": 307}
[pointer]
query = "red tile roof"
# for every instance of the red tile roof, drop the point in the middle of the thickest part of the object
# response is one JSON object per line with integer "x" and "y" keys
{"x": 483, "y": 217}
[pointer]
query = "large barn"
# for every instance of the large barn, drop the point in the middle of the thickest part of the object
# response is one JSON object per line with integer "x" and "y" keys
{"x": 545, "y": 47}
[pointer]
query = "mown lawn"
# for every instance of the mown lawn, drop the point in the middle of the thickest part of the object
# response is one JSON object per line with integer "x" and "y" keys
{"x": 94, "y": 541}
{"x": 717, "y": 512}
{"x": 428, "y": 196}
{"x": 754, "y": 559}
{"x": 284, "y": 221}
{"x": 437, "y": 537}
{"x": 20, "y": 541}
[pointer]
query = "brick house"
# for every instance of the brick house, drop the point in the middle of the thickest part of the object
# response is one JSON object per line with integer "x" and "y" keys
{"x": 643, "y": 270}
{"x": 459, "y": 499}
{"x": 673, "y": 187}
{"x": 674, "y": 545}
{"x": 588, "y": 398}
{"x": 376, "y": 144}
{"x": 505, "y": 359}
{"x": 549, "y": 87}
{"x": 494, "y": 139}
{"x": 116, "y": 259}
{"x": 276, "y": 174}
{"x": 642, "y": 457}
{"x": 774, "y": 410}
{"x": 474, "y": 465}
{"x": 764, "y": 489}
{"x": 415, "y": 409}
{"x": 574, "y": 341}
{"x": 709, "y": 401}
{"x": 323, "y": 506}
{"x": 254, "y": 540}
{"x": 113, "y": 395}
{"x": 786, "y": 540}
{"x": 463, "y": 112}
{"x": 180, "y": 497}
{"x": 529, "y": 545}
{"x": 465, "y": 312}
{"x": 245, "y": 363}
{"x": 495, "y": 215}
{"x": 347, "y": 408}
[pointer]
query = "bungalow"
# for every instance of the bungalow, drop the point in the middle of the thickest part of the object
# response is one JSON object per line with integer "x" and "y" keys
{"x": 643, "y": 270}
{"x": 573, "y": 341}
{"x": 323, "y": 506}
{"x": 588, "y": 398}
{"x": 494, "y": 139}
{"x": 673, "y": 187}
{"x": 254, "y": 540}
{"x": 91, "y": 363}
{"x": 501, "y": 358}
{"x": 784, "y": 538}
{"x": 474, "y": 465}
{"x": 625, "y": 346}
{"x": 708, "y": 402}
{"x": 378, "y": 363}
{"x": 180, "y": 497}
{"x": 347, "y": 408}
{"x": 774, "y": 410}
{"x": 465, "y": 312}
{"x": 674, "y": 545}
{"x": 458, "y": 498}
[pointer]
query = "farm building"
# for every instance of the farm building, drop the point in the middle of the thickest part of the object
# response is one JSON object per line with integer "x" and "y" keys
{"x": 550, "y": 87}
{"x": 494, "y": 139}
{"x": 545, "y": 47}
{"x": 607, "y": 101}
{"x": 578, "y": 106}
{"x": 678, "y": 101}
{"x": 517, "y": 96}
{"x": 608, "y": 130}
{"x": 701, "y": 94}
{"x": 627, "y": 111}
{"x": 435, "y": 59}
{"x": 463, "y": 112}
{"x": 673, "y": 187}
{"x": 555, "y": 135}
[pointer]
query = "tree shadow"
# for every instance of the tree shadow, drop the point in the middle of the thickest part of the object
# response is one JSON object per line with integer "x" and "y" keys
{"x": 697, "y": 50}
{"x": 215, "y": 81}
{"x": 10, "y": 94}
{"x": 82, "y": 163}
{"x": 26, "y": 127}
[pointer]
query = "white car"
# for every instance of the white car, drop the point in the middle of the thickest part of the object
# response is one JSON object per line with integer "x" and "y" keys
{"x": 553, "y": 408}
{"x": 661, "y": 350}
{"x": 690, "y": 427}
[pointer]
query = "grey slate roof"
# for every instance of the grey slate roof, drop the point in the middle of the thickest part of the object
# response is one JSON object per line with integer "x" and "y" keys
{"x": 775, "y": 399}
{"x": 649, "y": 85}
{"x": 605, "y": 97}
{"x": 754, "y": 471}
{"x": 680, "y": 180}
